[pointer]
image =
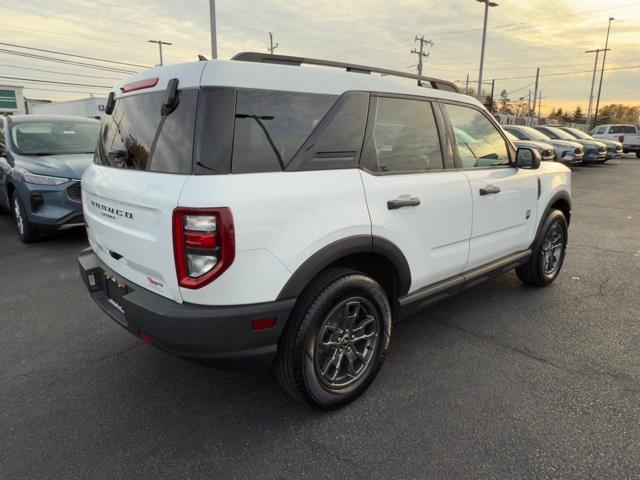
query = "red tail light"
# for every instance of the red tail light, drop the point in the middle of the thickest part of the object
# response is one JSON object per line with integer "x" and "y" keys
{"x": 621, "y": 138}
{"x": 203, "y": 244}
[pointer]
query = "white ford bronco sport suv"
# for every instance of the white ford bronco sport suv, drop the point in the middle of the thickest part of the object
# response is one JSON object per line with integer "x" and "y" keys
{"x": 258, "y": 211}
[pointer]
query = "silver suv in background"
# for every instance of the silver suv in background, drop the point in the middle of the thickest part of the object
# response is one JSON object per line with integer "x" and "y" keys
{"x": 594, "y": 151}
{"x": 614, "y": 149}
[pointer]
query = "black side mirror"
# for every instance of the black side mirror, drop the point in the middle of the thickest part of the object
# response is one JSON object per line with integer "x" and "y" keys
{"x": 528, "y": 158}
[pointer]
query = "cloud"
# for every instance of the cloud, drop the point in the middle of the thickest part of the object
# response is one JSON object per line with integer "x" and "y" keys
{"x": 522, "y": 35}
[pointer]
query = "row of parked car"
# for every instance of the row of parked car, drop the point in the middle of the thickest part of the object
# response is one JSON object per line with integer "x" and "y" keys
{"x": 572, "y": 146}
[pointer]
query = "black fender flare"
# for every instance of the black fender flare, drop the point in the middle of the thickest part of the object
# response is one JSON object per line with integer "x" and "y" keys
{"x": 561, "y": 195}
{"x": 342, "y": 248}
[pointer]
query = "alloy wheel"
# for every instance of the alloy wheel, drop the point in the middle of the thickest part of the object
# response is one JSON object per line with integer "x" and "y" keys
{"x": 347, "y": 343}
{"x": 552, "y": 248}
{"x": 18, "y": 215}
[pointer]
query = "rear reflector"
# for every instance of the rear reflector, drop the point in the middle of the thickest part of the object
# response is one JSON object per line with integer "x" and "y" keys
{"x": 263, "y": 324}
{"x": 139, "y": 85}
{"x": 145, "y": 337}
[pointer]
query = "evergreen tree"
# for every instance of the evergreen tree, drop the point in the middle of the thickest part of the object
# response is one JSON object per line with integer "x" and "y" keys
{"x": 578, "y": 117}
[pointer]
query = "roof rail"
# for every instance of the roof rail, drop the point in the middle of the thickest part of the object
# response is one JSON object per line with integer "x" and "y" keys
{"x": 349, "y": 67}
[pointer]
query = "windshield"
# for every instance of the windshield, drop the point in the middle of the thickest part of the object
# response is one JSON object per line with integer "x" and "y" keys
{"x": 561, "y": 134}
{"x": 578, "y": 133}
{"x": 54, "y": 137}
{"x": 534, "y": 134}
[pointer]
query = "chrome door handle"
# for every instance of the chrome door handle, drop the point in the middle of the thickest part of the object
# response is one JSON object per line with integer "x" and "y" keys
{"x": 489, "y": 189}
{"x": 403, "y": 202}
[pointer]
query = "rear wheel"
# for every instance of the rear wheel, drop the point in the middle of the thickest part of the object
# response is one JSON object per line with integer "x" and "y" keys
{"x": 336, "y": 339}
{"x": 26, "y": 231}
{"x": 637, "y": 154}
{"x": 548, "y": 252}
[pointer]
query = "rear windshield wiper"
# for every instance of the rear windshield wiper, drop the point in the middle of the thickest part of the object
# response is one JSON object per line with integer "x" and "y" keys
{"x": 259, "y": 120}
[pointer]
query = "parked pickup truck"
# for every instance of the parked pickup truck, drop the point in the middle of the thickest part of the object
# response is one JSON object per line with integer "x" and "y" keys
{"x": 628, "y": 135}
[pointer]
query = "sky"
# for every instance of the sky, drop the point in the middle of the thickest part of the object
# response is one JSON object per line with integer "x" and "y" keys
{"x": 522, "y": 35}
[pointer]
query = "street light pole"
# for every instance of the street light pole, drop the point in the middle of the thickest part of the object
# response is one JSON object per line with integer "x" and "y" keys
{"x": 604, "y": 60}
{"x": 487, "y": 4}
{"x": 160, "y": 43}
{"x": 212, "y": 23}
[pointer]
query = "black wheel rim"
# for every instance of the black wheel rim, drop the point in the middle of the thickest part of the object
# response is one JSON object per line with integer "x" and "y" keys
{"x": 552, "y": 249}
{"x": 347, "y": 343}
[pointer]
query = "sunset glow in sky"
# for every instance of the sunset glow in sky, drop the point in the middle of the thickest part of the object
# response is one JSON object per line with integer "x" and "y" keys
{"x": 521, "y": 36}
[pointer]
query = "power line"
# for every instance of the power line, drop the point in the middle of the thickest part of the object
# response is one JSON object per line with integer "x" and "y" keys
{"x": 57, "y": 72}
{"x": 631, "y": 67}
{"x": 73, "y": 55}
{"x": 29, "y": 87}
{"x": 66, "y": 62}
{"x": 55, "y": 81}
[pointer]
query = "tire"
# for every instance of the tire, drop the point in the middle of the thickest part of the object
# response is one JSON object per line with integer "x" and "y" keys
{"x": 319, "y": 340}
{"x": 537, "y": 272}
{"x": 637, "y": 154}
{"x": 26, "y": 230}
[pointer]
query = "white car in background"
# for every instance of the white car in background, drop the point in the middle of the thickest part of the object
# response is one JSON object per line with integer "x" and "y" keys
{"x": 567, "y": 152}
{"x": 546, "y": 150}
{"x": 628, "y": 135}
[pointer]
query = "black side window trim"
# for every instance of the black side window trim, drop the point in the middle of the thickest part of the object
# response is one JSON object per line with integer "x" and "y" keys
{"x": 510, "y": 149}
{"x": 373, "y": 102}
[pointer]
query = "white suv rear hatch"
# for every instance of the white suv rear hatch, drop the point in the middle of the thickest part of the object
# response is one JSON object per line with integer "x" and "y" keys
{"x": 141, "y": 165}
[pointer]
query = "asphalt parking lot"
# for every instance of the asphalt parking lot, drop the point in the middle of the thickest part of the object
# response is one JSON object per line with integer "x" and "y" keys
{"x": 502, "y": 381}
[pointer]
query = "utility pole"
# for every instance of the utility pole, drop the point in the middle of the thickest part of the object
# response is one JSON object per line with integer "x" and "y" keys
{"x": 529, "y": 109}
{"x": 272, "y": 47}
{"x": 421, "y": 54}
{"x": 593, "y": 82}
{"x": 493, "y": 87}
{"x": 539, "y": 105}
{"x": 535, "y": 93}
{"x": 487, "y": 4}
{"x": 160, "y": 43}
{"x": 604, "y": 60}
{"x": 212, "y": 26}
{"x": 466, "y": 88}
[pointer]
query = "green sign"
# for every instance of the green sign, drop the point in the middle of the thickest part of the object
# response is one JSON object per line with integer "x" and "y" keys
{"x": 8, "y": 100}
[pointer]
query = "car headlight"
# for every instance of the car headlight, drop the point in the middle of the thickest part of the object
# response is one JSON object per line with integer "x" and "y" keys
{"x": 36, "y": 179}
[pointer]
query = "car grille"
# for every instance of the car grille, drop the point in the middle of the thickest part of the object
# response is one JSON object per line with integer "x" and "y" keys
{"x": 546, "y": 153}
{"x": 602, "y": 149}
{"x": 75, "y": 192}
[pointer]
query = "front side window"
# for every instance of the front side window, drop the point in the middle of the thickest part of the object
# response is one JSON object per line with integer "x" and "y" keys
{"x": 54, "y": 137}
{"x": 600, "y": 130}
{"x": 271, "y": 126}
{"x": 516, "y": 133}
{"x": 404, "y": 137}
{"x": 479, "y": 143}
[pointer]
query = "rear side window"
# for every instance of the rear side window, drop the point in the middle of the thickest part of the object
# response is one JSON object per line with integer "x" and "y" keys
{"x": 270, "y": 127}
{"x": 478, "y": 140}
{"x": 622, "y": 129}
{"x": 404, "y": 137}
{"x": 600, "y": 130}
{"x": 136, "y": 136}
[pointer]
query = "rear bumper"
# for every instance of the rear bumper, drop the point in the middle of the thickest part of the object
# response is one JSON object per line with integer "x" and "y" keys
{"x": 221, "y": 335}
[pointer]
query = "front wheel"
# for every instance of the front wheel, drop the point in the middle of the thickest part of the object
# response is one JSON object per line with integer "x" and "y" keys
{"x": 548, "y": 254}
{"x": 336, "y": 339}
{"x": 26, "y": 231}
{"x": 637, "y": 154}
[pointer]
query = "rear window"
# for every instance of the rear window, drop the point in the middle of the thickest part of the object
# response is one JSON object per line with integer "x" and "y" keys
{"x": 136, "y": 136}
{"x": 270, "y": 127}
{"x": 622, "y": 129}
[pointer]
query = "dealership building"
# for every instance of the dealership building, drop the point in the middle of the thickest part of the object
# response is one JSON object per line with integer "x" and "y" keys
{"x": 11, "y": 99}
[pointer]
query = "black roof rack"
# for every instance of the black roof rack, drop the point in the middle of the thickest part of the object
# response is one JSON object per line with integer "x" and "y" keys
{"x": 349, "y": 67}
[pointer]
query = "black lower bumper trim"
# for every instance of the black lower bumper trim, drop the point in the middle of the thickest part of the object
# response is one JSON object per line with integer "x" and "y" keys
{"x": 221, "y": 335}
